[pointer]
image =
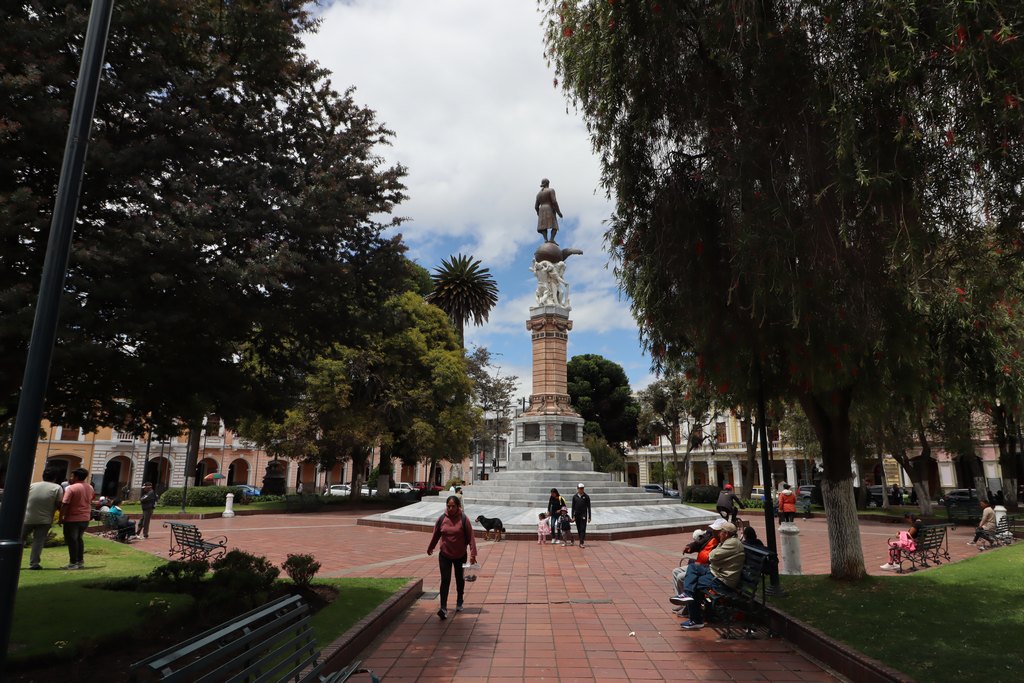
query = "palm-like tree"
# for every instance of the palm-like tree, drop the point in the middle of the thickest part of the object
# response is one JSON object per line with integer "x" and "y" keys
{"x": 464, "y": 291}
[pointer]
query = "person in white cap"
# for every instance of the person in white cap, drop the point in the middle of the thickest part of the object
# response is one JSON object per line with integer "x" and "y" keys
{"x": 724, "y": 570}
{"x": 581, "y": 512}
{"x": 704, "y": 541}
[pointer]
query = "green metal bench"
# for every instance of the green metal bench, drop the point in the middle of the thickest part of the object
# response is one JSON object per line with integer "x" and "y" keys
{"x": 270, "y": 644}
{"x": 188, "y": 542}
{"x": 738, "y": 612}
{"x": 930, "y": 547}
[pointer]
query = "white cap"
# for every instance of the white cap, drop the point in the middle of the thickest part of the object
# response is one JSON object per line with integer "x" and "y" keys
{"x": 579, "y": 485}
{"x": 716, "y": 525}
{"x": 697, "y": 533}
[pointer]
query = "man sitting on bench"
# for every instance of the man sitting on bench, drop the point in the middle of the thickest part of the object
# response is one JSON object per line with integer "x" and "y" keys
{"x": 724, "y": 572}
{"x": 986, "y": 528}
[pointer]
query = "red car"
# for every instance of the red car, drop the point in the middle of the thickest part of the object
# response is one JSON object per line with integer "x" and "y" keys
{"x": 424, "y": 486}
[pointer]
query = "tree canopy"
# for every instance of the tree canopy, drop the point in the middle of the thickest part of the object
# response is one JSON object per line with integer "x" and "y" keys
{"x": 230, "y": 223}
{"x": 810, "y": 180}
{"x": 600, "y": 392}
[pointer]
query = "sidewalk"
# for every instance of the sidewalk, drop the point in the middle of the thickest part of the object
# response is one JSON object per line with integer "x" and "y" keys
{"x": 543, "y": 612}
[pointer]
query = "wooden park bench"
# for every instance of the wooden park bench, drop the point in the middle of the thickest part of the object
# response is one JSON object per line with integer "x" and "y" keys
{"x": 188, "y": 542}
{"x": 272, "y": 643}
{"x": 930, "y": 547}
{"x": 737, "y": 612}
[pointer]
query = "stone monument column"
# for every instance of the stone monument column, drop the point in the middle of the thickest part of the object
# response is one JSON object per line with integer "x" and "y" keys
{"x": 549, "y": 434}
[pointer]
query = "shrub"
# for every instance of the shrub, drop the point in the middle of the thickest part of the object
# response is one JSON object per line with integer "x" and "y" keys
{"x": 702, "y": 494}
{"x": 178, "y": 577}
{"x": 53, "y": 540}
{"x": 201, "y": 495}
{"x": 301, "y": 569}
{"x": 243, "y": 575}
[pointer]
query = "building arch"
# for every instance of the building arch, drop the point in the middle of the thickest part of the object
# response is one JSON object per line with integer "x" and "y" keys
{"x": 238, "y": 472}
{"x": 61, "y": 466}
{"x": 117, "y": 476}
{"x": 204, "y": 467}
{"x": 158, "y": 471}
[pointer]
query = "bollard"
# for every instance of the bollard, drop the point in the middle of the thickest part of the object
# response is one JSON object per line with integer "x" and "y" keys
{"x": 790, "y": 549}
{"x": 229, "y": 506}
{"x": 1000, "y": 513}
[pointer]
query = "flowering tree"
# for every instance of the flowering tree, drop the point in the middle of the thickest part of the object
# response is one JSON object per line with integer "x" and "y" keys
{"x": 811, "y": 179}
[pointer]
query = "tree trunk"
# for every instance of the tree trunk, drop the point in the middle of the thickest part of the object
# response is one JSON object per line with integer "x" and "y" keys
{"x": 884, "y": 482}
{"x": 1006, "y": 438}
{"x": 751, "y": 457}
{"x": 832, "y": 427}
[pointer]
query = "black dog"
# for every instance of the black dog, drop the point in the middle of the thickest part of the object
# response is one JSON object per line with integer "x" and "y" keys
{"x": 491, "y": 525}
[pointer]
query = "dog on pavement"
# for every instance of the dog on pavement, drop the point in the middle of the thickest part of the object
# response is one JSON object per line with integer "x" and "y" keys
{"x": 491, "y": 525}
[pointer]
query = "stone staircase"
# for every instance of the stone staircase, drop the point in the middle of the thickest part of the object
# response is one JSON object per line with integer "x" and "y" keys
{"x": 517, "y": 497}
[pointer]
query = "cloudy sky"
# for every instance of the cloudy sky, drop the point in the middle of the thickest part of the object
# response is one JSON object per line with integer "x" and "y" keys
{"x": 478, "y": 122}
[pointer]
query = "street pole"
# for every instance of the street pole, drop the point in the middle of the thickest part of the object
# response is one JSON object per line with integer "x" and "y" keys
{"x": 44, "y": 327}
{"x": 769, "y": 516}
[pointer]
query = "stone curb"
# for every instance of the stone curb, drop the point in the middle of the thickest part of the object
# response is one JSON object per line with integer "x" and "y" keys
{"x": 347, "y": 647}
{"x": 841, "y": 658}
{"x": 532, "y": 536}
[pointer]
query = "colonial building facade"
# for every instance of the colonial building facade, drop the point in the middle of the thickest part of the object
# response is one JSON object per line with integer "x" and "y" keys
{"x": 120, "y": 462}
{"x": 721, "y": 459}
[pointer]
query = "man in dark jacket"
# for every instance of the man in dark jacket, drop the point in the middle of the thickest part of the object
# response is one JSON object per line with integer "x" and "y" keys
{"x": 148, "y": 500}
{"x": 581, "y": 512}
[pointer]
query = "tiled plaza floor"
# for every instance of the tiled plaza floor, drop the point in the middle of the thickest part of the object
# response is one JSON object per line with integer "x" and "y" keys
{"x": 543, "y": 612}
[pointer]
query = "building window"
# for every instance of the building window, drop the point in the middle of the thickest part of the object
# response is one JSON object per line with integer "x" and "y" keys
{"x": 773, "y": 434}
{"x": 677, "y": 438}
{"x": 531, "y": 432}
{"x": 720, "y": 435}
{"x": 213, "y": 425}
{"x": 69, "y": 433}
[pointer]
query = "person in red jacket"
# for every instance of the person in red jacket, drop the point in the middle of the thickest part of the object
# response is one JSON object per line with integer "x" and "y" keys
{"x": 787, "y": 503}
{"x": 455, "y": 533}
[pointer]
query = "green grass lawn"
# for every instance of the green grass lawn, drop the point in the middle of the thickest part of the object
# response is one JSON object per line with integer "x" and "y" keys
{"x": 61, "y": 614}
{"x": 954, "y": 622}
{"x": 57, "y": 614}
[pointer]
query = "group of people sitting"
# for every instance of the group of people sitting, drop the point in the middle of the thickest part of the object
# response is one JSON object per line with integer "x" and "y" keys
{"x": 717, "y": 566}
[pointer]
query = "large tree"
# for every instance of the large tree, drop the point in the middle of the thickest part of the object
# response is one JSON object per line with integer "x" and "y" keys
{"x": 465, "y": 291}
{"x": 803, "y": 175}
{"x": 492, "y": 393}
{"x": 600, "y": 392}
{"x": 230, "y": 221}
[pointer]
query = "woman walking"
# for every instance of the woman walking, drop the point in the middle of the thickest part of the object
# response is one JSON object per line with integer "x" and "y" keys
{"x": 455, "y": 533}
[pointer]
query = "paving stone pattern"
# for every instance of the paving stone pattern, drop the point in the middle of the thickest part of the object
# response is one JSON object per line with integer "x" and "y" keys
{"x": 546, "y": 612}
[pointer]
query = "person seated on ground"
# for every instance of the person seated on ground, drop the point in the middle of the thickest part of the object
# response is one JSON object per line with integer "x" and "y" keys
{"x": 986, "y": 528}
{"x": 704, "y": 541}
{"x": 904, "y": 543}
{"x": 723, "y": 572}
{"x": 787, "y": 503}
{"x": 727, "y": 502}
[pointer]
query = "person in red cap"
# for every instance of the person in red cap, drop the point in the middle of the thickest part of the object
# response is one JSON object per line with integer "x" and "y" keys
{"x": 727, "y": 502}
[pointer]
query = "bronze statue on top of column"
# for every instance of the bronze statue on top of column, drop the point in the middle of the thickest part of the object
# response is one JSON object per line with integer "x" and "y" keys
{"x": 546, "y": 207}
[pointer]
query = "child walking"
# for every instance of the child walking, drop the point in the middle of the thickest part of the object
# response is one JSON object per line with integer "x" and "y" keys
{"x": 543, "y": 529}
{"x": 565, "y": 526}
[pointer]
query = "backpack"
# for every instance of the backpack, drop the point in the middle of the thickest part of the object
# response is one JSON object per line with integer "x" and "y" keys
{"x": 563, "y": 523}
{"x": 465, "y": 526}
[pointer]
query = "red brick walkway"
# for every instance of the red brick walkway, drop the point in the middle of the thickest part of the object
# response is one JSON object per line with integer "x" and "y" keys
{"x": 543, "y": 612}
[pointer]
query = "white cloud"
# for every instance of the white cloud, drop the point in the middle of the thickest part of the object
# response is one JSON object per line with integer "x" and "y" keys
{"x": 478, "y": 123}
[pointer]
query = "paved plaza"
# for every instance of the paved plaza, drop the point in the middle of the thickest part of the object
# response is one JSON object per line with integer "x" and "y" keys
{"x": 543, "y": 612}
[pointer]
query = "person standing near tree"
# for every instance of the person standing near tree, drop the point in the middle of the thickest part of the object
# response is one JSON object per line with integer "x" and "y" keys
{"x": 75, "y": 510}
{"x": 455, "y": 534}
{"x": 148, "y": 501}
{"x": 581, "y": 512}
{"x": 44, "y": 499}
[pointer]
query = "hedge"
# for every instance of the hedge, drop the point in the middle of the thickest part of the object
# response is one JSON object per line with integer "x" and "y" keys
{"x": 200, "y": 495}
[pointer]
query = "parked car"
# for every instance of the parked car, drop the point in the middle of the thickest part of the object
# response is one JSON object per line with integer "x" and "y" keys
{"x": 424, "y": 486}
{"x": 250, "y": 491}
{"x": 756, "y": 493}
{"x": 402, "y": 487}
{"x": 806, "y": 491}
{"x": 959, "y": 497}
{"x": 339, "y": 490}
{"x": 658, "y": 488}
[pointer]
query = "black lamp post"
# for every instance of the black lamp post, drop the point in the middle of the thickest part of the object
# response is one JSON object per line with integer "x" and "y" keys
{"x": 44, "y": 327}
